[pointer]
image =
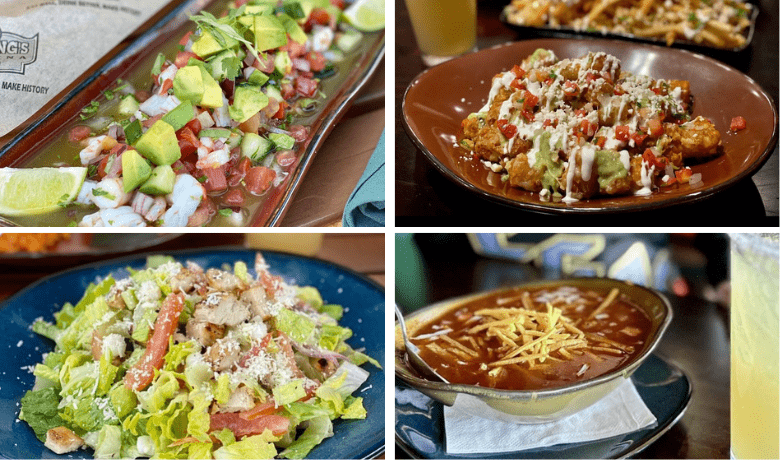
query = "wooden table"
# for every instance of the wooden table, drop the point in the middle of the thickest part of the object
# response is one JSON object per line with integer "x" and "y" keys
{"x": 363, "y": 253}
{"x": 425, "y": 197}
{"x": 697, "y": 340}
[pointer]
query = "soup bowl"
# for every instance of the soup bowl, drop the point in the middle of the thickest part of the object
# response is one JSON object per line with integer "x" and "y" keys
{"x": 538, "y": 405}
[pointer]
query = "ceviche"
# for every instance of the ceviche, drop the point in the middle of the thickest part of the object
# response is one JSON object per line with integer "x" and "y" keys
{"x": 573, "y": 129}
{"x": 176, "y": 361}
{"x": 217, "y": 128}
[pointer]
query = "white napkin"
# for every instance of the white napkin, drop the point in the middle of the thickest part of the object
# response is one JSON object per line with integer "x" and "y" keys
{"x": 620, "y": 412}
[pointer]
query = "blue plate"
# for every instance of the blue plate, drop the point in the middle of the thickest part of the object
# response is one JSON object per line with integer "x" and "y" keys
{"x": 362, "y": 299}
{"x": 664, "y": 387}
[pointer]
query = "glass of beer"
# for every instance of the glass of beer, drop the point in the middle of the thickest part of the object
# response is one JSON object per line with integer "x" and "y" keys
{"x": 754, "y": 346}
{"x": 443, "y": 28}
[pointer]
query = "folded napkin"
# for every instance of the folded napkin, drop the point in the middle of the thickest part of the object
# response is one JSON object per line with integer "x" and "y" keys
{"x": 620, "y": 412}
{"x": 366, "y": 205}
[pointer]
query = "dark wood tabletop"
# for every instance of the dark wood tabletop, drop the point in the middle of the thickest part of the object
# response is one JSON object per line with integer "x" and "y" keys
{"x": 425, "y": 197}
{"x": 697, "y": 341}
{"x": 363, "y": 253}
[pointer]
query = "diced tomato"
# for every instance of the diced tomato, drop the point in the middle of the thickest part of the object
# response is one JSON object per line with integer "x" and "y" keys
{"x": 655, "y": 127}
{"x": 587, "y": 128}
{"x": 79, "y": 133}
{"x": 657, "y": 91}
{"x": 319, "y": 16}
{"x": 649, "y": 157}
{"x": 619, "y": 91}
{"x": 683, "y": 175}
{"x": 259, "y": 179}
{"x": 528, "y": 115}
{"x": 285, "y": 158}
{"x": 570, "y": 89}
{"x": 550, "y": 122}
{"x": 183, "y": 167}
{"x": 264, "y": 63}
{"x": 316, "y": 60}
{"x": 590, "y": 77}
{"x": 600, "y": 141}
{"x": 529, "y": 100}
{"x": 738, "y": 123}
{"x": 110, "y": 163}
{"x": 188, "y": 142}
{"x": 517, "y": 84}
{"x": 215, "y": 179}
{"x": 235, "y": 198}
{"x": 142, "y": 373}
{"x": 518, "y": 71}
{"x": 507, "y": 129}
{"x": 242, "y": 427}
{"x": 185, "y": 39}
{"x": 183, "y": 57}
{"x": 580, "y": 112}
{"x": 287, "y": 90}
{"x": 340, "y": 4}
{"x": 293, "y": 48}
{"x": 638, "y": 137}
{"x": 280, "y": 113}
{"x": 306, "y": 87}
{"x": 299, "y": 132}
{"x": 621, "y": 133}
{"x": 194, "y": 125}
{"x": 669, "y": 181}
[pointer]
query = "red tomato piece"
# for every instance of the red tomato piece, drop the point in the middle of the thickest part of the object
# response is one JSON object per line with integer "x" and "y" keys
{"x": 517, "y": 84}
{"x": 316, "y": 60}
{"x": 185, "y": 39}
{"x": 570, "y": 88}
{"x": 518, "y": 71}
{"x": 507, "y": 129}
{"x": 242, "y": 427}
{"x": 188, "y": 142}
{"x": 259, "y": 179}
{"x": 738, "y": 124}
{"x": 306, "y": 87}
{"x": 183, "y": 57}
{"x": 638, "y": 137}
{"x": 529, "y": 100}
{"x": 142, "y": 373}
{"x": 234, "y": 198}
{"x": 683, "y": 175}
{"x": 621, "y": 133}
{"x": 79, "y": 133}
{"x": 203, "y": 214}
{"x": 655, "y": 127}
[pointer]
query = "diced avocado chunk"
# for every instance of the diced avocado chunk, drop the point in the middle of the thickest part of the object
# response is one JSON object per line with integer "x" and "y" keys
{"x": 610, "y": 167}
{"x": 282, "y": 141}
{"x": 247, "y": 101}
{"x": 212, "y": 92}
{"x": 293, "y": 29}
{"x": 135, "y": 170}
{"x": 293, "y": 10}
{"x": 550, "y": 164}
{"x": 160, "y": 181}
{"x": 269, "y": 33}
{"x": 188, "y": 84}
{"x": 273, "y": 91}
{"x": 283, "y": 63}
{"x": 266, "y": 8}
{"x": 159, "y": 144}
{"x": 206, "y": 44}
{"x": 255, "y": 147}
{"x": 258, "y": 78}
{"x": 215, "y": 133}
{"x": 180, "y": 116}
{"x": 540, "y": 53}
{"x": 128, "y": 105}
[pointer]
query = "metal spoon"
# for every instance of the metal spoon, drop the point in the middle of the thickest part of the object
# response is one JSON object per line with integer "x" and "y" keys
{"x": 413, "y": 353}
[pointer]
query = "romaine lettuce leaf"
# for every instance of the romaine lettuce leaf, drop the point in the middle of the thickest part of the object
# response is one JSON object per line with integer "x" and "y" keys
{"x": 39, "y": 410}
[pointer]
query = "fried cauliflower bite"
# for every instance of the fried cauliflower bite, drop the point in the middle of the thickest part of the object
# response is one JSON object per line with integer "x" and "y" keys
{"x": 697, "y": 138}
{"x": 523, "y": 175}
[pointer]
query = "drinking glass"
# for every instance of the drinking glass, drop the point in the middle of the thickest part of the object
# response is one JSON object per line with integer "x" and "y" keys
{"x": 443, "y": 28}
{"x": 754, "y": 345}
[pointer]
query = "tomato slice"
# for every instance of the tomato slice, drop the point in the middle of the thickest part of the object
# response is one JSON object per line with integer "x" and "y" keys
{"x": 142, "y": 373}
{"x": 242, "y": 427}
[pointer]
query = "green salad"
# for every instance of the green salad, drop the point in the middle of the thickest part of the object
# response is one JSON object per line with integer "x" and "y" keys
{"x": 180, "y": 362}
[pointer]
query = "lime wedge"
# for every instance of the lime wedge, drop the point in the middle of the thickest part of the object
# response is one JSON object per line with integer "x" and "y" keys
{"x": 366, "y": 15}
{"x": 25, "y": 192}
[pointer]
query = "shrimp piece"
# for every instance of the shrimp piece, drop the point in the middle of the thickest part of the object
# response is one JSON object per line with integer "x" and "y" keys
{"x": 185, "y": 198}
{"x": 122, "y": 216}
{"x": 95, "y": 145}
{"x": 159, "y": 104}
{"x": 213, "y": 159}
{"x": 109, "y": 193}
{"x": 85, "y": 193}
{"x": 322, "y": 37}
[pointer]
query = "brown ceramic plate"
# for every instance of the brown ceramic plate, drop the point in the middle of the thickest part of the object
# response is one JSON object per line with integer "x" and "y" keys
{"x": 37, "y": 144}
{"x": 438, "y": 100}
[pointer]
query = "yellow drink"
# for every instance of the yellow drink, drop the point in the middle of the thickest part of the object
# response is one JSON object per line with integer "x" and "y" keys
{"x": 307, "y": 244}
{"x": 443, "y": 28}
{"x": 754, "y": 347}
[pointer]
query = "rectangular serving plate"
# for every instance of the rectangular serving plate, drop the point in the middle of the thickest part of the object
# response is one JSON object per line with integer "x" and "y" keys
{"x": 568, "y": 32}
{"x": 136, "y": 59}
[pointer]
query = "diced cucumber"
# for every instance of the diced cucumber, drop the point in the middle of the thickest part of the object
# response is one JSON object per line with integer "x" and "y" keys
{"x": 349, "y": 40}
{"x": 255, "y": 147}
{"x": 282, "y": 141}
{"x": 215, "y": 133}
{"x": 234, "y": 140}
